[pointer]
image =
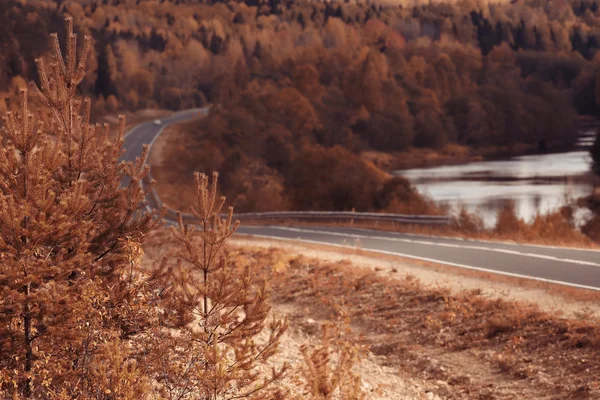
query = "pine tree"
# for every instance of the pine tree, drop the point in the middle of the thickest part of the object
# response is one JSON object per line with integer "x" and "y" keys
{"x": 208, "y": 345}
{"x": 68, "y": 232}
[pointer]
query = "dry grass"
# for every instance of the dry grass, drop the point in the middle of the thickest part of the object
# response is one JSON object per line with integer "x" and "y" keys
{"x": 576, "y": 241}
{"x": 562, "y": 293}
{"x": 464, "y": 345}
{"x": 423, "y": 157}
{"x": 528, "y": 352}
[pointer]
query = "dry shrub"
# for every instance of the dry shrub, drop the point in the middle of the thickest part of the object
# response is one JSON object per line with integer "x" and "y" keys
{"x": 398, "y": 195}
{"x": 326, "y": 373}
{"x": 499, "y": 324}
{"x": 556, "y": 226}
{"x": 592, "y": 228}
{"x": 511, "y": 363}
{"x": 214, "y": 311}
{"x": 508, "y": 223}
{"x": 466, "y": 222}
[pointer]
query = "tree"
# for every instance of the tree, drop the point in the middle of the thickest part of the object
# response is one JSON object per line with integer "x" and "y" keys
{"x": 207, "y": 342}
{"x": 106, "y": 75}
{"x": 332, "y": 179}
{"x": 68, "y": 231}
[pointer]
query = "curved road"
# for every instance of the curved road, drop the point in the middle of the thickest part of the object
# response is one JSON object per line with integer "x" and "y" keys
{"x": 572, "y": 267}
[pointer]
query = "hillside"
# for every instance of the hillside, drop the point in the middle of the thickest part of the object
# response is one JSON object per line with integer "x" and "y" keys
{"x": 354, "y": 84}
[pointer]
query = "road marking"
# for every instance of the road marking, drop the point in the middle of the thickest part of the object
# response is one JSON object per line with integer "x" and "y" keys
{"x": 493, "y": 271}
{"x": 430, "y": 243}
{"x": 462, "y": 239}
{"x": 178, "y": 117}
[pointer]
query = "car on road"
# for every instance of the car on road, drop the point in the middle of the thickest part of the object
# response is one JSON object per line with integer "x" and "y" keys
{"x": 157, "y": 122}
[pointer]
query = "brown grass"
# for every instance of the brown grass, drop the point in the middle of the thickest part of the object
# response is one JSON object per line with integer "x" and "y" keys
{"x": 561, "y": 291}
{"x": 465, "y": 345}
{"x": 573, "y": 239}
{"x": 528, "y": 352}
{"x": 423, "y": 157}
{"x": 552, "y": 229}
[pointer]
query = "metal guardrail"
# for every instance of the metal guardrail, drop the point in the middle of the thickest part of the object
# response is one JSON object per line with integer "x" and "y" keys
{"x": 321, "y": 216}
{"x": 345, "y": 215}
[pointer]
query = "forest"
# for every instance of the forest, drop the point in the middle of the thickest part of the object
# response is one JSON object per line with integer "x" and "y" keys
{"x": 299, "y": 89}
{"x": 98, "y": 302}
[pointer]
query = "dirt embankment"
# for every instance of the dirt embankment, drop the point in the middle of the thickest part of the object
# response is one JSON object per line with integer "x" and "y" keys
{"x": 431, "y": 334}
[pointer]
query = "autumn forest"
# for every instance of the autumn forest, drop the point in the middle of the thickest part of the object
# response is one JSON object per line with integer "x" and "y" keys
{"x": 311, "y": 106}
{"x": 305, "y": 86}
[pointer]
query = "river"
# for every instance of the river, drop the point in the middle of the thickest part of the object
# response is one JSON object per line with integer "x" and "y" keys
{"x": 536, "y": 184}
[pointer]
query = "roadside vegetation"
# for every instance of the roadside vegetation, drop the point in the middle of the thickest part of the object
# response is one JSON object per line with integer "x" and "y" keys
{"x": 455, "y": 344}
{"x": 81, "y": 317}
{"x": 552, "y": 229}
{"x": 313, "y": 101}
{"x": 386, "y": 194}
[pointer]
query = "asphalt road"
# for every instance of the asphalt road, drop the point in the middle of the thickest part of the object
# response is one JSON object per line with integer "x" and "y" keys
{"x": 572, "y": 267}
{"x": 147, "y": 132}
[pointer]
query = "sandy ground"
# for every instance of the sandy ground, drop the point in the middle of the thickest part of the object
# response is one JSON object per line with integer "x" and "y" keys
{"x": 439, "y": 276}
{"x": 378, "y": 380}
{"x": 431, "y": 331}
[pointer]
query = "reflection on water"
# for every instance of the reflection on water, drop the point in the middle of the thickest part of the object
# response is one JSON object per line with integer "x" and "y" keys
{"x": 539, "y": 183}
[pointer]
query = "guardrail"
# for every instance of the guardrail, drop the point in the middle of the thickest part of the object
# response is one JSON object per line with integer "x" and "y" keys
{"x": 154, "y": 201}
{"x": 344, "y": 215}
{"x": 317, "y": 216}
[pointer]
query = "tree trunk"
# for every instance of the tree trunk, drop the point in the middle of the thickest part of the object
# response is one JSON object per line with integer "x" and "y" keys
{"x": 28, "y": 345}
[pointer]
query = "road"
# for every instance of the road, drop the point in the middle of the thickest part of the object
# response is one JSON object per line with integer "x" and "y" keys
{"x": 571, "y": 267}
{"x": 147, "y": 132}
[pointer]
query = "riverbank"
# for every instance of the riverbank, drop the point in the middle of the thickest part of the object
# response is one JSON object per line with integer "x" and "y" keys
{"x": 173, "y": 147}
{"x": 535, "y": 184}
{"x": 450, "y": 155}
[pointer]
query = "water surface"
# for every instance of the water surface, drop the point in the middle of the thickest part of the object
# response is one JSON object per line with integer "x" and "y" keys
{"x": 539, "y": 183}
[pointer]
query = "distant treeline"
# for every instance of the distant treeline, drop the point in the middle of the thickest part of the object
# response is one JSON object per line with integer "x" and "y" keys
{"x": 379, "y": 76}
{"x": 293, "y": 79}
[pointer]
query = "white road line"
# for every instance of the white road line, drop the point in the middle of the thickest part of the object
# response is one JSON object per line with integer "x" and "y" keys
{"x": 502, "y": 242}
{"x": 429, "y": 243}
{"x": 493, "y": 271}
